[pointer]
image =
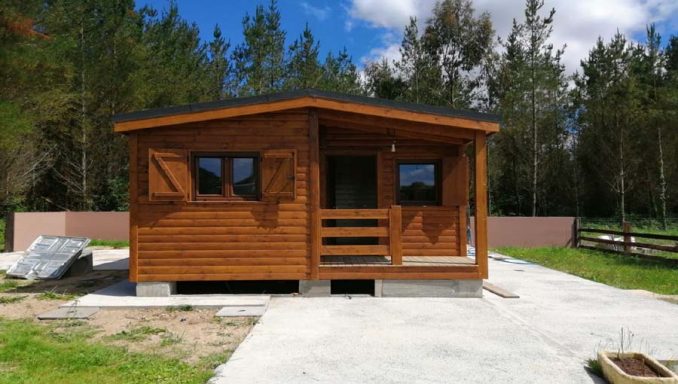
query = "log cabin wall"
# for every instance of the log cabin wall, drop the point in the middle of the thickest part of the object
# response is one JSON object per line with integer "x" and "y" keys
{"x": 427, "y": 231}
{"x": 189, "y": 240}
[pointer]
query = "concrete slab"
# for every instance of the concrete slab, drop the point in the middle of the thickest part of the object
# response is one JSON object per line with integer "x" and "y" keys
{"x": 545, "y": 336}
{"x": 123, "y": 295}
{"x": 432, "y": 288}
{"x": 242, "y": 311}
{"x": 69, "y": 313}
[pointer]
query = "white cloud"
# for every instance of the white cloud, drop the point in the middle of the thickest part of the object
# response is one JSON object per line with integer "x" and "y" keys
{"x": 319, "y": 13}
{"x": 578, "y": 23}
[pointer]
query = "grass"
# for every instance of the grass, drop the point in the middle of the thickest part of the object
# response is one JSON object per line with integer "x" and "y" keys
{"x": 8, "y": 285}
{"x": 138, "y": 333}
{"x": 31, "y": 353}
{"x": 617, "y": 270}
{"x": 109, "y": 243}
{"x": 593, "y": 365}
{"x": 51, "y": 295}
{"x": 11, "y": 299}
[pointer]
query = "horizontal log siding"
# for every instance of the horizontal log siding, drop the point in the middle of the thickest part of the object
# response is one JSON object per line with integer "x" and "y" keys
{"x": 181, "y": 241}
{"x": 427, "y": 231}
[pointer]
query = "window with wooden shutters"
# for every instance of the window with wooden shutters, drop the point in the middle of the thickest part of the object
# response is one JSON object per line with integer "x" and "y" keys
{"x": 278, "y": 169}
{"x": 167, "y": 174}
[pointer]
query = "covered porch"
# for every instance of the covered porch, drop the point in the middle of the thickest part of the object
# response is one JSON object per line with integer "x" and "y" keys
{"x": 361, "y": 228}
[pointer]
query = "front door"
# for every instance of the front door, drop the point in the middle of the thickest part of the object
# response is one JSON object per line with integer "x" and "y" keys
{"x": 352, "y": 183}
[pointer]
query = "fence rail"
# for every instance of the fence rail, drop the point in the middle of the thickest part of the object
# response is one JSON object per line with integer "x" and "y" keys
{"x": 390, "y": 228}
{"x": 627, "y": 244}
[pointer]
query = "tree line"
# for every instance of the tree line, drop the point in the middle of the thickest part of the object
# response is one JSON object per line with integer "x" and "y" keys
{"x": 600, "y": 142}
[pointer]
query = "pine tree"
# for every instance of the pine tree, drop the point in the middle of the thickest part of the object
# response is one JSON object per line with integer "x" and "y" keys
{"x": 418, "y": 68}
{"x": 260, "y": 60}
{"x": 303, "y": 68}
{"x": 219, "y": 66}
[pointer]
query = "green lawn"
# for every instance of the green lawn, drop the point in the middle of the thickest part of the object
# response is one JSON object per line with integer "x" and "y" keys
{"x": 33, "y": 353}
{"x": 607, "y": 268}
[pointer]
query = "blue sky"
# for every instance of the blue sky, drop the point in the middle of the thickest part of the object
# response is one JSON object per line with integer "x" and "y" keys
{"x": 327, "y": 19}
{"x": 371, "y": 29}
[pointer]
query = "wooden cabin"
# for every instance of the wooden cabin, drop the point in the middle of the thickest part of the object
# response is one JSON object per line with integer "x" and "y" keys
{"x": 306, "y": 185}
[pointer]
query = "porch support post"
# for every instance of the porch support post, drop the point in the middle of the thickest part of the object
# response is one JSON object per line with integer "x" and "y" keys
{"x": 480, "y": 210}
{"x": 314, "y": 192}
{"x": 395, "y": 227}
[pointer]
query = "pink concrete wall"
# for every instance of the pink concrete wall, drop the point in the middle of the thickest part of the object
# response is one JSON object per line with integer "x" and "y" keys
{"x": 502, "y": 231}
{"x": 95, "y": 225}
{"x": 506, "y": 231}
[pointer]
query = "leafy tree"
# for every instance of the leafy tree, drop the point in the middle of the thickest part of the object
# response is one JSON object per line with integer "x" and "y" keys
{"x": 460, "y": 41}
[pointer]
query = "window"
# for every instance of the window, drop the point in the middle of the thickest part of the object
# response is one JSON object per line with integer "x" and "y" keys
{"x": 233, "y": 177}
{"x": 418, "y": 183}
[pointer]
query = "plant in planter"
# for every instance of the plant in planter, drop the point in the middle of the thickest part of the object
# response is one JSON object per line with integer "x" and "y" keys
{"x": 624, "y": 367}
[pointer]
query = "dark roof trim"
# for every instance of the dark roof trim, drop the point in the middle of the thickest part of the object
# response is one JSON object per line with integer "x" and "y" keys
{"x": 237, "y": 102}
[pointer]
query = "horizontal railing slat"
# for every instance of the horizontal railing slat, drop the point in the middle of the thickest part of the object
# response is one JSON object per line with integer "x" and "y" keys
{"x": 635, "y": 234}
{"x": 354, "y": 250}
{"x": 354, "y": 232}
{"x": 359, "y": 214}
{"x": 658, "y": 247}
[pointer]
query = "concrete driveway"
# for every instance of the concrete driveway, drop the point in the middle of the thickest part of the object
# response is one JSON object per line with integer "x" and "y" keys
{"x": 543, "y": 337}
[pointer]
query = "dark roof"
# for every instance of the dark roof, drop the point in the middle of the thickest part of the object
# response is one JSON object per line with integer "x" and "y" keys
{"x": 237, "y": 102}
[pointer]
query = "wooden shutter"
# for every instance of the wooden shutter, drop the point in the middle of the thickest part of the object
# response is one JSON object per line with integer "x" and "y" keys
{"x": 167, "y": 174}
{"x": 278, "y": 169}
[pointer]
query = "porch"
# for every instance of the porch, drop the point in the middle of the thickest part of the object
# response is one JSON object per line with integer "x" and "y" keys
{"x": 384, "y": 259}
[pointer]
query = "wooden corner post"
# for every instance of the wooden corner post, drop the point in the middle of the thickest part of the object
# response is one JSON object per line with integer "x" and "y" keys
{"x": 133, "y": 206}
{"x": 480, "y": 211}
{"x": 314, "y": 192}
{"x": 395, "y": 227}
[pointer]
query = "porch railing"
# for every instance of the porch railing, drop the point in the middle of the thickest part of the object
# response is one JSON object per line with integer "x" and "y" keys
{"x": 389, "y": 225}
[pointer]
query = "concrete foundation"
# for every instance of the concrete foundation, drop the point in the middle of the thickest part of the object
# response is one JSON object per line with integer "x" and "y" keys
{"x": 156, "y": 289}
{"x": 430, "y": 288}
{"x": 315, "y": 288}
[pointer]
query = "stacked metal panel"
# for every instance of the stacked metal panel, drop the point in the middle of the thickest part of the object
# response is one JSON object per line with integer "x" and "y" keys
{"x": 49, "y": 257}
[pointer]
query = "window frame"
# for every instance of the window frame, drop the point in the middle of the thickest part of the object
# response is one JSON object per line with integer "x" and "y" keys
{"x": 437, "y": 177}
{"x": 227, "y": 176}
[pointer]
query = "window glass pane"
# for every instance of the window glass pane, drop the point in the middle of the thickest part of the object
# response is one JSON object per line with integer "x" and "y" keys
{"x": 210, "y": 176}
{"x": 417, "y": 183}
{"x": 244, "y": 176}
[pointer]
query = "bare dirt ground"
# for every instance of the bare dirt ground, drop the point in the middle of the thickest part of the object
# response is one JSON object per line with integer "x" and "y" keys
{"x": 188, "y": 334}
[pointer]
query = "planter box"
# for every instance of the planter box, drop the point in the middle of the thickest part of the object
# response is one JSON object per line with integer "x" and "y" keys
{"x": 616, "y": 375}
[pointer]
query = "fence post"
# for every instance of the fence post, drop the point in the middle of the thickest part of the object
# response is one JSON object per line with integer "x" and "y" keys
{"x": 575, "y": 232}
{"x": 626, "y": 228}
{"x": 9, "y": 232}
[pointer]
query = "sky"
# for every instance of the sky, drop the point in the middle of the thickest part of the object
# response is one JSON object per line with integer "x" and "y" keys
{"x": 372, "y": 29}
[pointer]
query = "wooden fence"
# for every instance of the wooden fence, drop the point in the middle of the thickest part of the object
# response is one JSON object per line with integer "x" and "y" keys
{"x": 627, "y": 242}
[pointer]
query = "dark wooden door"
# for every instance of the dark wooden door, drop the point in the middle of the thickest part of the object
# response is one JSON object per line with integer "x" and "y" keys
{"x": 352, "y": 183}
